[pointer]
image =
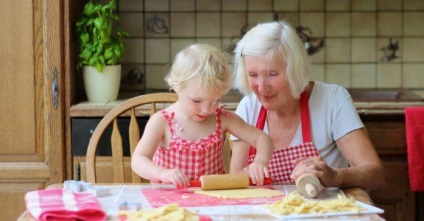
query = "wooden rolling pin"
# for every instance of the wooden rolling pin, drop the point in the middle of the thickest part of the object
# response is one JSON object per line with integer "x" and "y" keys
{"x": 308, "y": 185}
{"x": 225, "y": 181}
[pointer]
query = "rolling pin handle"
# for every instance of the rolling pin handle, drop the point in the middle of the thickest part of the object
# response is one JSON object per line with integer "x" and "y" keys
{"x": 195, "y": 183}
{"x": 310, "y": 190}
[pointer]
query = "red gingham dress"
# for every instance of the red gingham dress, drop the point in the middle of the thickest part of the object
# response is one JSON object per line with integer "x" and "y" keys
{"x": 281, "y": 164}
{"x": 194, "y": 158}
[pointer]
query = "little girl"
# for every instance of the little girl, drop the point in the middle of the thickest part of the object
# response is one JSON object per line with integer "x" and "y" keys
{"x": 185, "y": 140}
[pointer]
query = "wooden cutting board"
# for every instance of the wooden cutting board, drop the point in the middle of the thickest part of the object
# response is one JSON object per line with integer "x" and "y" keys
{"x": 187, "y": 198}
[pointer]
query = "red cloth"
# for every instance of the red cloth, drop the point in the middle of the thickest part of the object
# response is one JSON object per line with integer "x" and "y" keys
{"x": 61, "y": 204}
{"x": 414, "y": 119}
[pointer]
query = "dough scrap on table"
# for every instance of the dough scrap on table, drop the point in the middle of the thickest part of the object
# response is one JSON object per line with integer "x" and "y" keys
{"x": 297, "y": 204}
{"x": 167, "y": 212}
{"x": 241, "y": 193}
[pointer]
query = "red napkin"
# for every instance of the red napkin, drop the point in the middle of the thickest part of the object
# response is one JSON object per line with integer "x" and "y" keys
{"x": 414, "y": 119}
{"x": 61, "y": 204}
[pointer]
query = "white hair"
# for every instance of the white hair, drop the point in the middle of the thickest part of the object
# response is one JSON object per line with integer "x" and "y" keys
{"x": 273, "y": 40}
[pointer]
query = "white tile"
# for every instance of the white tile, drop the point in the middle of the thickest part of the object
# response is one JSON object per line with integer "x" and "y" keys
{"x": 338, "y": 74}
{"x": 257, "y": 17}
{"x": 413, "y": 5}
{"x": 364, "y": 75}
{"x": 364, "y": 5}
{"x": 259, "y": 5}
{"x": 182, "y": 24}
{"x": 234, "y": 5}
{"x": 286, "y": 5}
{"x": 134, "y": 51}
{"x": 131, "y": 5}
{"x": 337, "y": 5}
{"x": 232, "y": 23}
{"x": 312, "y": 5}
{"x": 389, "y": 76}
{"x": 208, "y": 5}
{"x": 314, "y": 21}
{"x": 389, "y": 5}
{"x": 337, "y": 24}
{"x": 208, "y": 24}
{"x": 413, "y": 49}
{"x": 317, "y": 72}
{"x": 182, "y": 5}
{"x": 413, "y": 24}
{"x": 337, "y": 50}
{"x": 157, "y": 51}
{"x": 364, "y": 50}
{"x": 364, "y": 24}
{"x": 155, "y": 75}
{"x": 156, "y": 5}
{"x": 132, "y": 23}
{"x": 413, "y": 76}
{"x": 389, "y": 24}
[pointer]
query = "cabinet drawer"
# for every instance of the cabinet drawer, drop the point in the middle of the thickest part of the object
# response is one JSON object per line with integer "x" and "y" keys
{"x": 83, "y": 128}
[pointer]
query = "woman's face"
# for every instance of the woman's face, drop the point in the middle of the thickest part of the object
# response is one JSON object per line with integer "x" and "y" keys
{"x": 268, "y": 81}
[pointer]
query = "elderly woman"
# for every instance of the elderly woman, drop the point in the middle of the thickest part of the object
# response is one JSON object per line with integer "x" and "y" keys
{"x": 314, "y": 126}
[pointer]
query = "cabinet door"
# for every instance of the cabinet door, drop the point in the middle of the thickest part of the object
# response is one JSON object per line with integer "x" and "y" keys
{"x": 32, "y": 125}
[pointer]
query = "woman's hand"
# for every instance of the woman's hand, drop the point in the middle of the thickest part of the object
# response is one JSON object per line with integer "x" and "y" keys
{"x": 174, "y": 176}
{"x": 315, "y": 166}
{"x": 257, "y": 172}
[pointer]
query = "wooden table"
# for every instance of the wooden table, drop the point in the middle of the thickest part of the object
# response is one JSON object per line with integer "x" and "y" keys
{"x": 131, "y": 193}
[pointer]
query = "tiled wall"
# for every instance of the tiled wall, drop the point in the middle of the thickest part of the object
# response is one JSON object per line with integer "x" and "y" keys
{"x": 357, "y": 36}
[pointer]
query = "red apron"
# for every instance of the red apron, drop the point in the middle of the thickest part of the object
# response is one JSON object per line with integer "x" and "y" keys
{"x": 281, "y": 164}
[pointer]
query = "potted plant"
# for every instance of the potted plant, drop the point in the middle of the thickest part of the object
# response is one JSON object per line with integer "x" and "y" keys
{"x": 101, "y": 50}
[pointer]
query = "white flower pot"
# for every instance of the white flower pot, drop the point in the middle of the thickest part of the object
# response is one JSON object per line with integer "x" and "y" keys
{"x": 104, "y": 86}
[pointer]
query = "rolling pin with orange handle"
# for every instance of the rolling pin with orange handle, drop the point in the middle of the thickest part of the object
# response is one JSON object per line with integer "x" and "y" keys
{"x": 308, "y": 185}
{"x": 224, "y": 181}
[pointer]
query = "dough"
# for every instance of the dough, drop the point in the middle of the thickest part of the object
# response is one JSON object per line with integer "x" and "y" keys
{"x": 241, "y": 193}
{"x": 167, "y": 212}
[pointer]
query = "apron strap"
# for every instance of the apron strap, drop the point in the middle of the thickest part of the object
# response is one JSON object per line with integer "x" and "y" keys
{"x": 304, "y": 119}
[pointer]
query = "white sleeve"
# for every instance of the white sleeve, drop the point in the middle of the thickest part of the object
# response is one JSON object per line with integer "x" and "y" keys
{"x": 345, "y": 117}
{"x": 248, "y": 110}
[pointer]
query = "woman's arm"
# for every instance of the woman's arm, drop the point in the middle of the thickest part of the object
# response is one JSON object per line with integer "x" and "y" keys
{"x": 365, "y": 169}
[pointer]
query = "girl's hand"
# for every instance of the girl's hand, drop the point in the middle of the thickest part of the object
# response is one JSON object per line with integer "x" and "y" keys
{"x": 317, "y": 167}
{"x": 257, "y": 172}
{"x": 174, "y": 176}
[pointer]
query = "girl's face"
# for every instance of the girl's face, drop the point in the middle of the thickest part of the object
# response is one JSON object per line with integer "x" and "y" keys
{"x": 268, "y": 81}
{"x": 196, "y": 102}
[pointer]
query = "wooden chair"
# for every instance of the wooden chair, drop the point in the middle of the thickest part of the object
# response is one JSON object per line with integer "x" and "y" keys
{"x": 128, "y": 107}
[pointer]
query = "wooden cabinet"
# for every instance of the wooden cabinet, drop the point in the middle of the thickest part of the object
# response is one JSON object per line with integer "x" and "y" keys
{"x": 387, "y": 133}
{"x": 32, "y": 111}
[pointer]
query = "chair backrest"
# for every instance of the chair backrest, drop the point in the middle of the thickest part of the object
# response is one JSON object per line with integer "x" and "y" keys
{"x": 128, "y": 107}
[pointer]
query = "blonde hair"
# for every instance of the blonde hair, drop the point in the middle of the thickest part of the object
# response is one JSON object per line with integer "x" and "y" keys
{"x": 204, "y": 61}
{"x": 273, "y": 40}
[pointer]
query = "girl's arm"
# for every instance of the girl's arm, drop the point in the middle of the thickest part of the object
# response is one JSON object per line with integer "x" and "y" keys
{"x": 239, "y": 156}
{"x": 141, "y": 162}
{"x": 254, "y": 137}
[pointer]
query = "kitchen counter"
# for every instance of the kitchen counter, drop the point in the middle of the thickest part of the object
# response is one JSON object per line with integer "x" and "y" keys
{"x": 367, "y": 102}
{"x": 99, "y": 109}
